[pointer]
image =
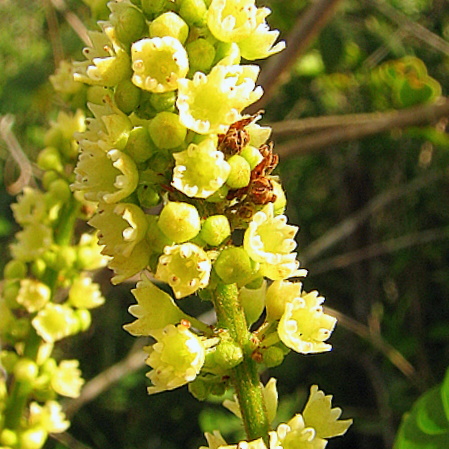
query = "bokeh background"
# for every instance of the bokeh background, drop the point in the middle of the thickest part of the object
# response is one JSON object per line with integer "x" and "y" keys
{"x": 368, "y": 189}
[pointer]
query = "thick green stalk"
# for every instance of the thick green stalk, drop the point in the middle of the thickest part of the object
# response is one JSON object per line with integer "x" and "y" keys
{"x": 244, "y": 376}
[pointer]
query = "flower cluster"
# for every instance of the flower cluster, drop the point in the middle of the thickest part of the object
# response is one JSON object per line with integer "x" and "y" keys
{"x": 184, "y": 193}
{"x": 46, "y": 296}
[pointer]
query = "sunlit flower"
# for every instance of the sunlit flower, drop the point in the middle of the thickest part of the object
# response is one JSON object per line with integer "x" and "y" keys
{"x": 149, "y": 300}
{"x": 49, "y": 416}
{"x": 210, "y": 103}
{"x": 30, "y": 206}
{"x": 66, "y": 379}
{"x": 33, "y": 295}
{"x": 120, "y": 227}
{"x": 32, "y": 242}
{"x": 84, "y": 293}
{"x": 200, "y": 170}
{"x": 158, "y": 63}
{"x": 55, "y": 322}
{"x": 186, "y": 268}
{"x": 176, "y": 358}
{"x": 270, "y": 241}
{"x": 304, "y": 327}
{"x": 106, "y": 62}
{"x": 104, "y": 174}
{"x": 318, "y": 422}
{"x": 242, "y": 22}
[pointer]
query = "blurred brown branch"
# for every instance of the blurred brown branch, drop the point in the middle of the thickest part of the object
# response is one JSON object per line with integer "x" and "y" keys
{"x": 380, "y": 248}
{"x": 351, "y": 223}
{"x": 305, "y": 30}
{"x": 337, "y": 129}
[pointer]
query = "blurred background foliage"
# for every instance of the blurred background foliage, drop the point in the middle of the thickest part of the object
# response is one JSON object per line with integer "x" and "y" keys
{"x": 373, "y": 216}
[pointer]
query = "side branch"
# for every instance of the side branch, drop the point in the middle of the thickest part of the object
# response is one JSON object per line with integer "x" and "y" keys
{"x": 353, "y": 127}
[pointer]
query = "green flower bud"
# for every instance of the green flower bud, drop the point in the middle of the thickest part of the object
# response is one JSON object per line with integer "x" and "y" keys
{"x": 273, "y": 356}
{"x": 97, "y": 94}
{"x": 8, "y": 359}
{"x": 15, "y": 269}
{"x": 10, "y": 292}
{"x": 219, "y": 195}
{"x": 140, "y": 146}
{"x": 33, "y": 438}
{"x": 8, "y": 438}
{"x": 227, "y": 354}
{"x": 233, "y": 265}
{"x": 154, "y": 8}
{"x": 148, "y": 196}
{"x": 50, "y": 159}
{"x": 201, "y": 55}
{"x": 127, "y": 96}
{"x": 180, "y": 222}
{"x": 252, "y": 155}
{"x": 25, "y": 370}
{"x": 48, "y": 177}
{"x": 164, "y": 101}
{"x": 20, "y": 328}
{"x": 169, "y": 24}
{"x": 193, "y": 12}
{"x": 129, "y": 23}
{"x": 240, "y": 172}
{"x": 215, "y": 230}
{"x": 84, "y": 318}
{"x": 38, "y": 268}
{"x": 253, "y": 302}
{"x": 60, "y": 190}
{"x": 166, "y": 130}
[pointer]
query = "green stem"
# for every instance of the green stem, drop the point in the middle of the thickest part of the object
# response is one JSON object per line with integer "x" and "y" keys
{"x": 244, "y": 376}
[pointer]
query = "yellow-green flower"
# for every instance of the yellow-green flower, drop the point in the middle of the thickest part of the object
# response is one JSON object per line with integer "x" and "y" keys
{"x": 200, "y": 170}
{"x": 210, "y": 103}
{"x": 120, "y": 227}
{"x": 66, "y": 379}
{"x": 304, "y": 327}
{"x": 158, "y": 63}
{"x": 186, "y": 268}
{"x": 84, "y": 293}
{"x": 176, "y": 358}
{"x": 155, "y": 309}
{"x": 33, "y": 295}
{"x": 106, "y": 62}
{"x": 55, "y": 322}
{"x": 49, "y": 416}
{"x": 269, "y": 240}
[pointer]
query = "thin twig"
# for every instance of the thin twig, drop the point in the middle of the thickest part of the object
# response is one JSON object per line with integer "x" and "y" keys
{"x": 68, "y": 440}
{"x": 355, "y": 220}
{"x": 53, "y": 32}
{"x": 103, "y": 381}
{"x": 378, "y": 249}
{"x": 413, "y": 28}
{"x": 26, "y": 170}
{"x": 386, "y": 121}
{"x": 392, "y": 354}
{"x": 301, "y": 36}
{"x": 73, "y": 20}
